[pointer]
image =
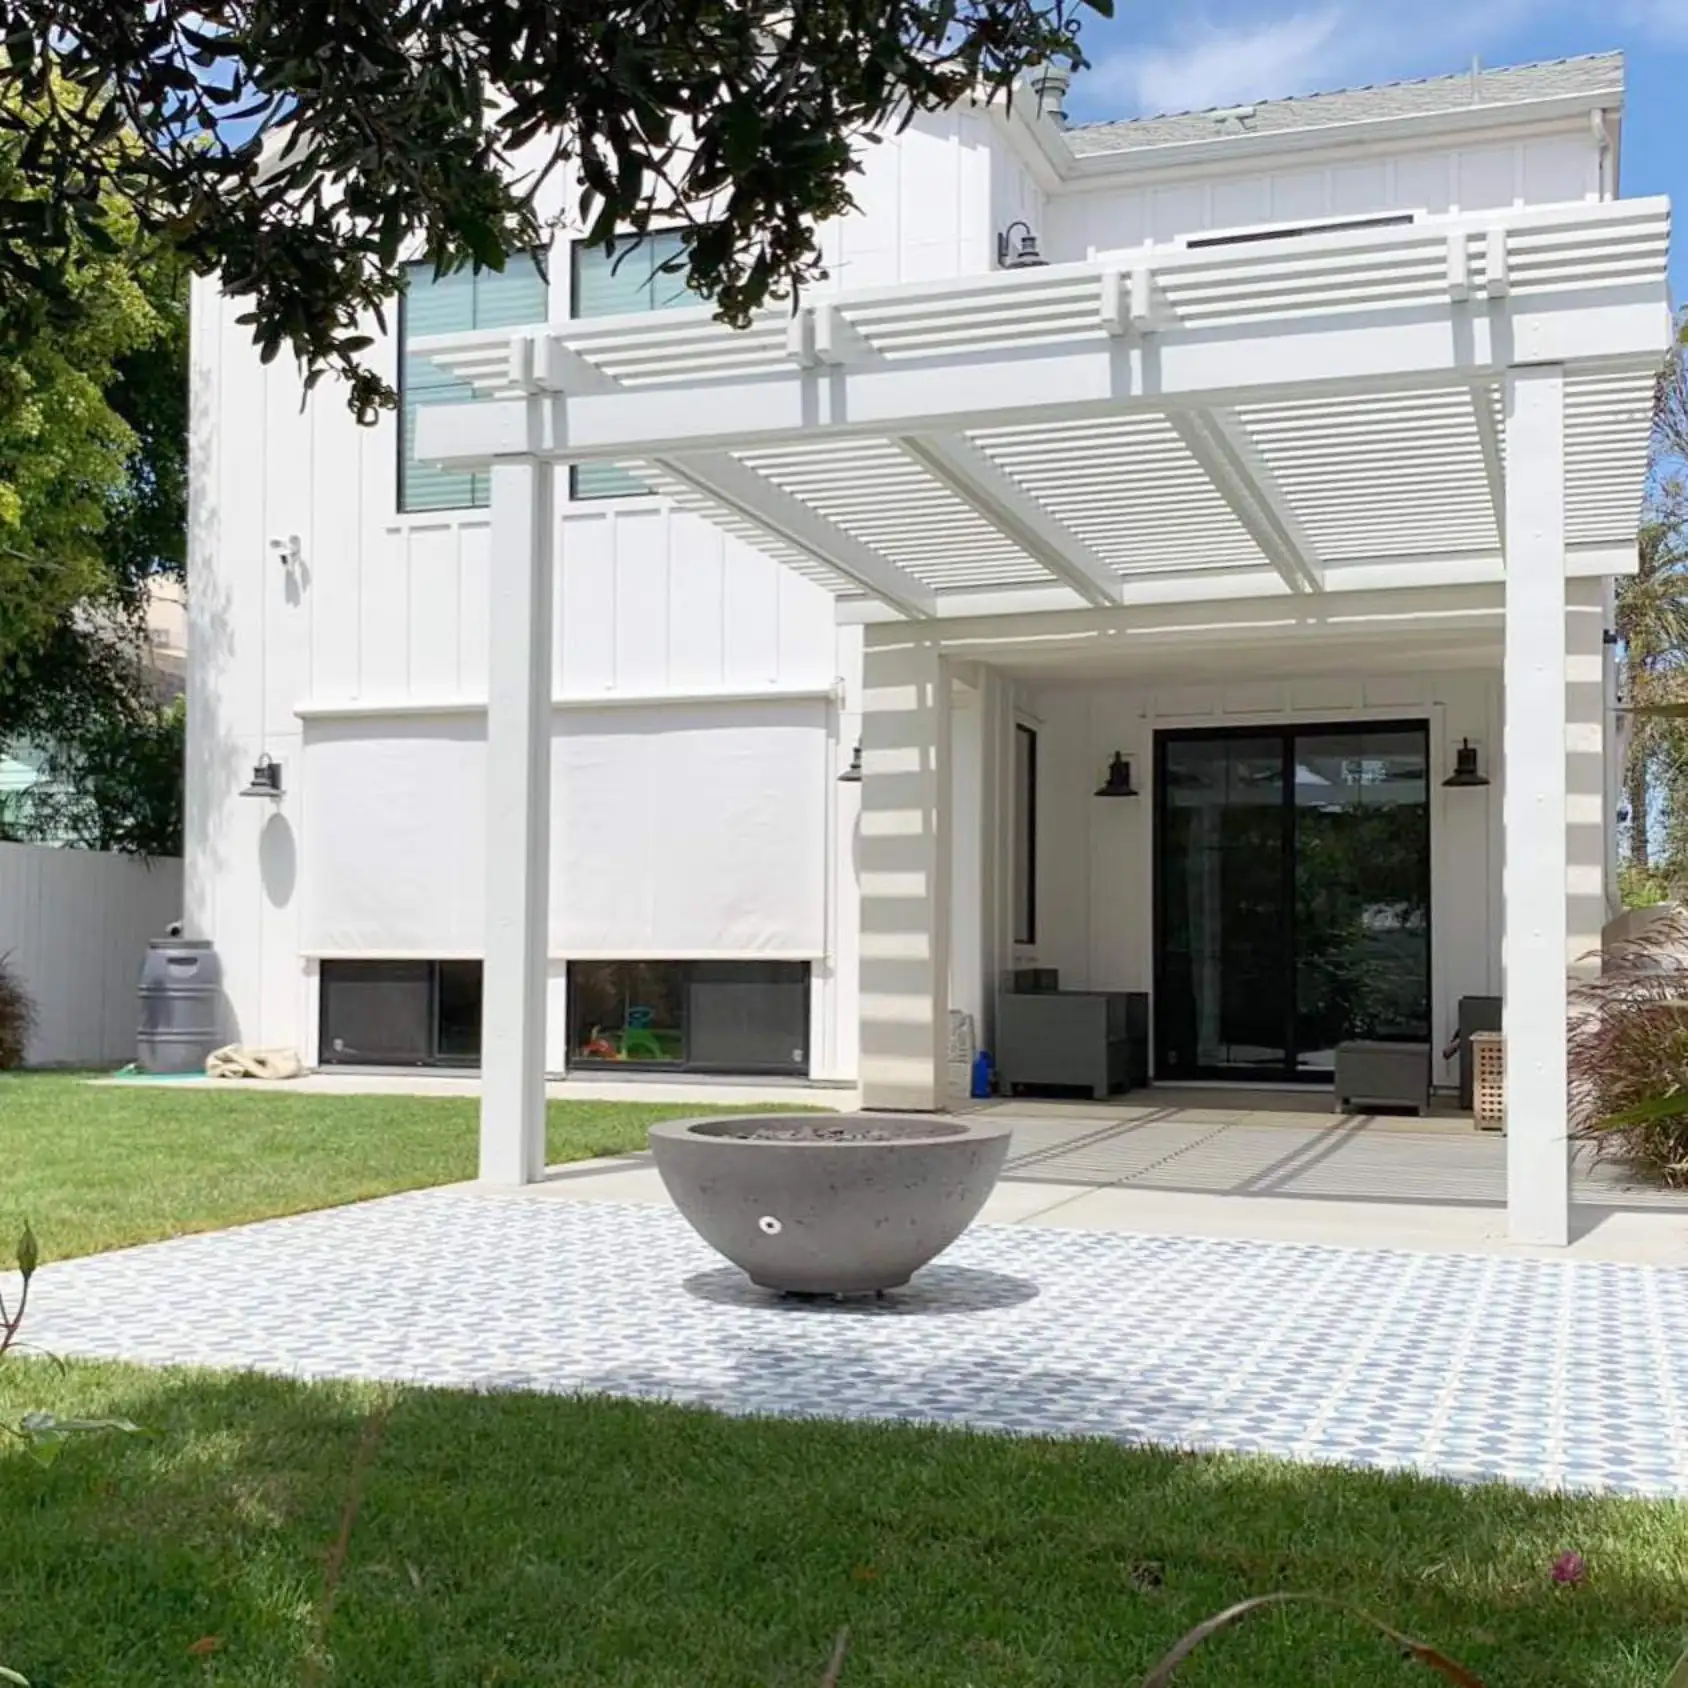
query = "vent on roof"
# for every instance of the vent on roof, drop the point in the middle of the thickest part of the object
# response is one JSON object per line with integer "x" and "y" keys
{"x": 1288, "y": 231}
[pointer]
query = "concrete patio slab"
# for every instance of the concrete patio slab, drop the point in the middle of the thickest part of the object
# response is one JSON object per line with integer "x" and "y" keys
{"x": 611, "y": 1087}
{"x": 1554, "y": 1374}
{"x": 1265, "y": 1177}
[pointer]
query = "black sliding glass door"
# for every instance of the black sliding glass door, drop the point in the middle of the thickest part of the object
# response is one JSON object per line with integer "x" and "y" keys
{"x": 1293, "y": 896}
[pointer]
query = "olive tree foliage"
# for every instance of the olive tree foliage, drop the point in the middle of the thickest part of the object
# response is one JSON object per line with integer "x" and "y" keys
{"x": 304, "y": 148}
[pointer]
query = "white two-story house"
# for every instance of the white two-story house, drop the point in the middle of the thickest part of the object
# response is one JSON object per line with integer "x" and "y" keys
{"x": 1178, "y": 554}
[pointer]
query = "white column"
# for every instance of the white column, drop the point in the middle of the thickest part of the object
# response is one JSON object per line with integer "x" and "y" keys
{"x": 518, "y": 823}
{"x": 905, "y": 872}
{"x": 1534, "y": 809}
{"x": 1588, "y": 810}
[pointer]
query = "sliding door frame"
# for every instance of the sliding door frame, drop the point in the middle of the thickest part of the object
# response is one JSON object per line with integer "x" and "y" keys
{"x": 1287, "y": 732}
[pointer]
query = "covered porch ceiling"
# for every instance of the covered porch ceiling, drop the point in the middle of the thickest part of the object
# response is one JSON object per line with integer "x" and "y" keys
{"x": 1267, "y": 418}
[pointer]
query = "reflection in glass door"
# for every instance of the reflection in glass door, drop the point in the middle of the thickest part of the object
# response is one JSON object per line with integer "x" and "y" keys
{"x": 1293, "y": 897}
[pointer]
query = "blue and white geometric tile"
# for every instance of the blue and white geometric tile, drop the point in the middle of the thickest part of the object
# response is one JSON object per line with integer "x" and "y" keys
{"x": 1553, "y": 1374}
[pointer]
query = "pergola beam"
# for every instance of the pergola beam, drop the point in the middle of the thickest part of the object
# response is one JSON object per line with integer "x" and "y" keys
{"x": 1240, "y": 475}
{"x": 725, "y": 481}
{"x": 962, "y": 468}
{"x": 1183, "y": 369}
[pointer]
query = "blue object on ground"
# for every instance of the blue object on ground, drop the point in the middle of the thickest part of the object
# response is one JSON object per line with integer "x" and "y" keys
{"x": 982, "y": 1074}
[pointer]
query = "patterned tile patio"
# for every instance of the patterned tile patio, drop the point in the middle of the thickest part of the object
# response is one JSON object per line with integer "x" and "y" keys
{"x": 1565, "y": 1374}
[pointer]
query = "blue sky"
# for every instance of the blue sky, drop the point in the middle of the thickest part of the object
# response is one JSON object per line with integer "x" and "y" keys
{"x": 1182, "y": 56}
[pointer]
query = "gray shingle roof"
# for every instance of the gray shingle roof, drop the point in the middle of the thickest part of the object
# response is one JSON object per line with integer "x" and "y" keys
{"x": 1597, "y": 73}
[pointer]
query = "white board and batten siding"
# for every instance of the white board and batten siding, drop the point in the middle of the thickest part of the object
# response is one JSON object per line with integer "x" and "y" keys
{"x": 74, "y": 926}
{"x": 697, "y": 734}
{"x": 1536, "y": 170}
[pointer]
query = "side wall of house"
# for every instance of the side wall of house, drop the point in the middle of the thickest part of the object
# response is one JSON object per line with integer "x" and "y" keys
{"x": 683, "y": 658}
{"x": 1548, "y": 165}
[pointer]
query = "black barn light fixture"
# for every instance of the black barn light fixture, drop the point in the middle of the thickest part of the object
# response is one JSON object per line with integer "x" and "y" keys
{"x": 1466, "y": 775}
{"x": 266, "y": 777}
{"x": 1118, "y": 782}
{"x": 1018, "y": 255}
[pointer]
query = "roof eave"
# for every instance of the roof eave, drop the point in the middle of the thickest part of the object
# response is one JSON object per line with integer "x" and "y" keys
{"x": 1232, "y": 149}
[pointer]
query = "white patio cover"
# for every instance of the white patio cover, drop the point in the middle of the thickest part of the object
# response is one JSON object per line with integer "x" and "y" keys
{"x": 1186, "y": 420}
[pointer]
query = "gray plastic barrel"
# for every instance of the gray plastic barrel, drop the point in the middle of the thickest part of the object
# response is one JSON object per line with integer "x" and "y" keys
{"x": 181, "y": 984}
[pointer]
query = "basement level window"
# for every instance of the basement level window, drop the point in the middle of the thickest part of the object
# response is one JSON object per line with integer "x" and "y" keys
{"x": 690, "y": 1016}
{"x": 400, "y": 1013}
{"x": 1289, "y": 231}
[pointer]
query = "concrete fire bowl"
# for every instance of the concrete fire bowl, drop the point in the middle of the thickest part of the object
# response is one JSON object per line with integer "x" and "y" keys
{"x": 829, "y": 1204}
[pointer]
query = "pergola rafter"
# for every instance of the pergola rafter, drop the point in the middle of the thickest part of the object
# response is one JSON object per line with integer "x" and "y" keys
{"x": 1279, "y": 410}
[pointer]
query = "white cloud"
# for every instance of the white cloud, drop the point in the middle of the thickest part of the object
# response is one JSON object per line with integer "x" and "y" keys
{"x": 1662, "y": 21}
{"x": 1221, "y": 65}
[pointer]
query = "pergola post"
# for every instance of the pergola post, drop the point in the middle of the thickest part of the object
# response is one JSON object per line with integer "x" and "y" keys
{"x": 905, "y": 872}
{"x": 1534, "y": 810}
{"x": 518, "y": 822}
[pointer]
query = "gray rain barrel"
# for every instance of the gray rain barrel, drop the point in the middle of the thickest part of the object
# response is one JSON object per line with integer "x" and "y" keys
{"x": 181, "y": 984}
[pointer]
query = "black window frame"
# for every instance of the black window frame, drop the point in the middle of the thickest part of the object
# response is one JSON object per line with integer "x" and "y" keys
{"x": 433, "y": 1058}
{"x": 1025, "y": 836}
{"x": 802, "y": 982}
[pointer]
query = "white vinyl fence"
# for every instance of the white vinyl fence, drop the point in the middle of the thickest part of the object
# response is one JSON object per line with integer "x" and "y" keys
{"x": 76, "y": 924}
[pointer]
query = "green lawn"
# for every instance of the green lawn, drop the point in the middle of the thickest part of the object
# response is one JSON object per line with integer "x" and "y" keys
{"x": 524, "y": 1540}
{"x": 103, "y": 1166}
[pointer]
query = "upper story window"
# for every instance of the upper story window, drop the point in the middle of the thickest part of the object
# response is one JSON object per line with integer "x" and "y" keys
{"x": 646, "y": 274}
{"x": 449, "y": 304}
{"x": 1289, "y": 231}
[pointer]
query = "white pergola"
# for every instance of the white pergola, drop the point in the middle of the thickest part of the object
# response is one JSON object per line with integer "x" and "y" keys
{"x": 1420, "y": 406}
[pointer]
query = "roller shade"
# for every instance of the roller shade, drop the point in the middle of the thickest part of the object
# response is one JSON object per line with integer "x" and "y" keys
{"x": 692, "y": 831}
{"x": 677, "y": 830}
{"x": 393, "y": 831}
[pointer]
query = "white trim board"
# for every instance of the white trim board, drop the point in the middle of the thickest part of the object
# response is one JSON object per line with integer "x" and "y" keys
{"x": 351, "y": 709}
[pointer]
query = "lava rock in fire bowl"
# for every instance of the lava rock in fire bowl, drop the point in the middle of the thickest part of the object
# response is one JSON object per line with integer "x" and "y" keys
{"x": 829, "y": 1204}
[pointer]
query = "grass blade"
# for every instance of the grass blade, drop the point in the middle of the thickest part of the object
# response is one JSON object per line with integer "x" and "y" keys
{"x": 1428, "y": 1656}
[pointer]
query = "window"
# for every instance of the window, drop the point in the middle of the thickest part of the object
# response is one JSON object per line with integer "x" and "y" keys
{"x": 1025, "y": 835}
{"x": 450, "y": 304}
{"x": 400, "y": 1013}
{"x": 639, "y": 275}
{"x": 1289, "y": 231}
{"x": 690, "y": 1016}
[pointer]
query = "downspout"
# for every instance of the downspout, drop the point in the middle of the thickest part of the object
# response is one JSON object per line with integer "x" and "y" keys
{"x": 1603, "y": 146}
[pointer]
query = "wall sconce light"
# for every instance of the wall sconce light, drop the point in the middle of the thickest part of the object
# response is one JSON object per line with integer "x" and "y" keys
{"x": 852, "y": 775}
{"x": 1021, "y": 255}
{"x": 1466, "y": 773}
{"x": 266, "y": 777}
{"x": 1118, "y": 782}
